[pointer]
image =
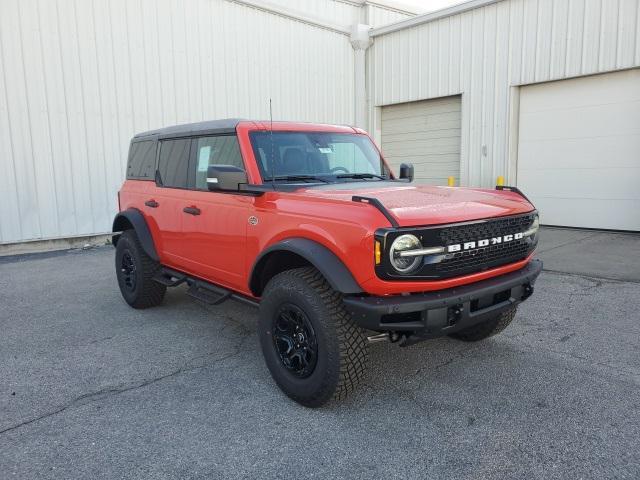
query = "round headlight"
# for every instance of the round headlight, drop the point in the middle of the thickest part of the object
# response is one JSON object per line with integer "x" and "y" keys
{"x": 533, "y": 229}
{"x": 400, "y": 244}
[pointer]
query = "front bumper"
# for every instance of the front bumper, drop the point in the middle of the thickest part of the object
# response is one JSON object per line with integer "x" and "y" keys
{"x": 438, "y": 313}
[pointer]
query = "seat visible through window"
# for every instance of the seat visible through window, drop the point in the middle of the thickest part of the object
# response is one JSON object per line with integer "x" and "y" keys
{"x": 220, "y": 150}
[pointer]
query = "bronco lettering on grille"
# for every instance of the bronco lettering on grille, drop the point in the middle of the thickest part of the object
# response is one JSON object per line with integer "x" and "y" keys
{"x": 458, "y": 247}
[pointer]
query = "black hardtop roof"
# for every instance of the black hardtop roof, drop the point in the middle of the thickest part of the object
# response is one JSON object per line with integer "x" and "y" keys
{"x": 227, "y": 125}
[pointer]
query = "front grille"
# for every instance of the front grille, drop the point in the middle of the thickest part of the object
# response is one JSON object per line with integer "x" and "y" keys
{"x": 485, "y": 257}
{"x": 485, "y": 229}
{"x": 462, "y": 262}
{"x": 479, "y": 258}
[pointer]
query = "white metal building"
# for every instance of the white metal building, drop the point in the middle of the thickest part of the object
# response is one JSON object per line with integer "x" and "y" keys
{"x": 544, "y": 92}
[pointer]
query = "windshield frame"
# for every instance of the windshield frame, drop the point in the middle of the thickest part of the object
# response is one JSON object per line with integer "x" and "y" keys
{"x": 337, "y": 177}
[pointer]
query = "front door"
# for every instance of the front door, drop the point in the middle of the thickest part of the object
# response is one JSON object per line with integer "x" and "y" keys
{"x": 214, "y": 224}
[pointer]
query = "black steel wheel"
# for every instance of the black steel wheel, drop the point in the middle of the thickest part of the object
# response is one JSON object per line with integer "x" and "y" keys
{"x": 295, "y": 340}
{"x": 128, "y": 270}
{"x": 135, "y": 271}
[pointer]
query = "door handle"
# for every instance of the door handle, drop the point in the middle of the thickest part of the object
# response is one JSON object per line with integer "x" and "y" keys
{"x": 191, "y": 210}
{"x": 151, "y": 203}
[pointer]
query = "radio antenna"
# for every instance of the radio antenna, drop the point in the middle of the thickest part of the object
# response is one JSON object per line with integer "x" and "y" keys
{"x": 273, "y": 172}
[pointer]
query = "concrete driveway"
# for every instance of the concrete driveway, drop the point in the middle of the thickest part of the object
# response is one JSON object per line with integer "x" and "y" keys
{"x": 90, "y": 388}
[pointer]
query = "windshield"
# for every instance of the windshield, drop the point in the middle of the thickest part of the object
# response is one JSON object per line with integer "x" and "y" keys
{"x": 299, "y": 156}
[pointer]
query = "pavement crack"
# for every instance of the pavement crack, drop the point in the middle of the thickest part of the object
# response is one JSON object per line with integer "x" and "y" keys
{"x": 591, "y": 277}
{"x": 570, "y": 242}
{"x": 615, "y": 370}
{"x": 117, "y": 390}
{"x": 448, "y": 362}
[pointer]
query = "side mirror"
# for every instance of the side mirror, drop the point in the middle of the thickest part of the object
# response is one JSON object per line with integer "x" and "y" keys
{"x": 225, "y": 178}
{"x": 406, "y": 171}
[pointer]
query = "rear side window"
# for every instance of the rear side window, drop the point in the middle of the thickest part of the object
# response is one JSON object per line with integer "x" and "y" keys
{"x": 221, "y": 150}
{"x": 173, "y": 165}
{"x": 142, "y": 161}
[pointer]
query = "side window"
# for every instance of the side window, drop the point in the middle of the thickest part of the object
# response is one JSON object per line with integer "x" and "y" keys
{"x": 142, "y": 160}
{"x": 173, "y": 164}
{"x": 221, "y": 150}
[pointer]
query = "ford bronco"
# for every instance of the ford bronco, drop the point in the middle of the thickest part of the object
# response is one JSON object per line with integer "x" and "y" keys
{"x": 309, "y": 223}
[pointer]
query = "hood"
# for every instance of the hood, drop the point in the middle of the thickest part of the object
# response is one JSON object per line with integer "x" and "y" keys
{"x": 414, "y": 205}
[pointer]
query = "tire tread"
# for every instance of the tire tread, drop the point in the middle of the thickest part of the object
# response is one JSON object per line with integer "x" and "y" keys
{"x": 152, "y": 293}
{"x": 351, "y": 338}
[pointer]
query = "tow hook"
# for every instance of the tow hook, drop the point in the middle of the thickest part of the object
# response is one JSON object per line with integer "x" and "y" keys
{"x": 381, "y": 337}
{"x": 528, "y": 291}
{"x": 392, "y": 337}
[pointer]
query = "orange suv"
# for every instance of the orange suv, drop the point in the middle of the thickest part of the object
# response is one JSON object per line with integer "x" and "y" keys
{"x": 308, "y": 223}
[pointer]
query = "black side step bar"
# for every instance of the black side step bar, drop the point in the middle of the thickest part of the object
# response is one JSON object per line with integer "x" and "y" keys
{"x": 169, "y": 278}
{"x": 209, "y": 294}
{"x": 202, "y": 290}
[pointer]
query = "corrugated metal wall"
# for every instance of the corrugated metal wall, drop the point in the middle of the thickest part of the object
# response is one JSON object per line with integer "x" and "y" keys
{"x": 346, "y": 12}
{"x": 377, "y": 15}
{"x": 79, "y": 78}
{"x": 484, "y": 52}
{"x": 336, "y": 11}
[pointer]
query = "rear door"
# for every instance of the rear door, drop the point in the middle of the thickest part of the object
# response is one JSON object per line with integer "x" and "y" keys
{"x": 214, "y": 223}
{"x": 163, "y": 207}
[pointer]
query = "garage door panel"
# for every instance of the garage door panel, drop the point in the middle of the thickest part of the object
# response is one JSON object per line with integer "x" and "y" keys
{"x": 590, "y": 213}
{"x": 435, "y": 145}
{"x": 451, "y": 111}
{"x": 616, "y": 152}
{"x": 435, "y": 109}
{"x": 422, "y": 127}
{"x": 436, "y": 171}
{"x": 547, "y": 96}
{"x": 593, "y": 120}
{"x": 408, "y": 136}
{"x": 425, "y": 133}
{"x": 434, "y": 119}
{"x": 424, "y": 161}
{"x": 599, "y": 183}
{"x": 579, "y": 150}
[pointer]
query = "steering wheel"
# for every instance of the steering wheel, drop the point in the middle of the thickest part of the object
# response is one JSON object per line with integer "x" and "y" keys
{"x": 339, "y": 169}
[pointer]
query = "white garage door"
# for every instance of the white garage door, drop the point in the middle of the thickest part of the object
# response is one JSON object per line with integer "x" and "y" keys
{"x": 579, "y": 150}
{"x": 425, "y": 133}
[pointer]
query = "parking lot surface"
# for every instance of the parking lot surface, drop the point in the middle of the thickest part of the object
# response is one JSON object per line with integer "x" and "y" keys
{"x": 91, "y": 388}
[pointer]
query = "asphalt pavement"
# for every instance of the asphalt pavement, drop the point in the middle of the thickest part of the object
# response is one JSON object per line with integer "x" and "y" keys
{"x": 90, "y": 388}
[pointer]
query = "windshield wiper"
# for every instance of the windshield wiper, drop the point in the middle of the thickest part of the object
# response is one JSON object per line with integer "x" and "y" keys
{"x": 293, "y": 178}
{"x": 359, "y": 176}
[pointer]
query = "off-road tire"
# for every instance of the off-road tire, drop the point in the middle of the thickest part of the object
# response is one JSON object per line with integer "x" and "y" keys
{"x": 341, "y": 345}
{"x": 487, "y": 328}
{"x": 144, "y": 292}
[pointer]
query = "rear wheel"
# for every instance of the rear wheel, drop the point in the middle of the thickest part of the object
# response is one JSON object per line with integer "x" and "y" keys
{"x": 487, "y": 328}
{"x": 313, "y": 350}
{"x": 135, "y": 271}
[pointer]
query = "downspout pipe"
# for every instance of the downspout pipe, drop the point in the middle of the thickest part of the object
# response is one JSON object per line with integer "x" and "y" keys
{"x": 360, "y": 41}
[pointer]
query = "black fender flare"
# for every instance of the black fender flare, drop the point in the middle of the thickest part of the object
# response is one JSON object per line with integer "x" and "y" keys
{"x": 323, "y": 259}
{"x": 134, "y": 217}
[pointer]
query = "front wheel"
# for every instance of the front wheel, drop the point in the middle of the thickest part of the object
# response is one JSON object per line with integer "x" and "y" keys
{"x": 488, "y": 328}
{"x": 313, "y": 350}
